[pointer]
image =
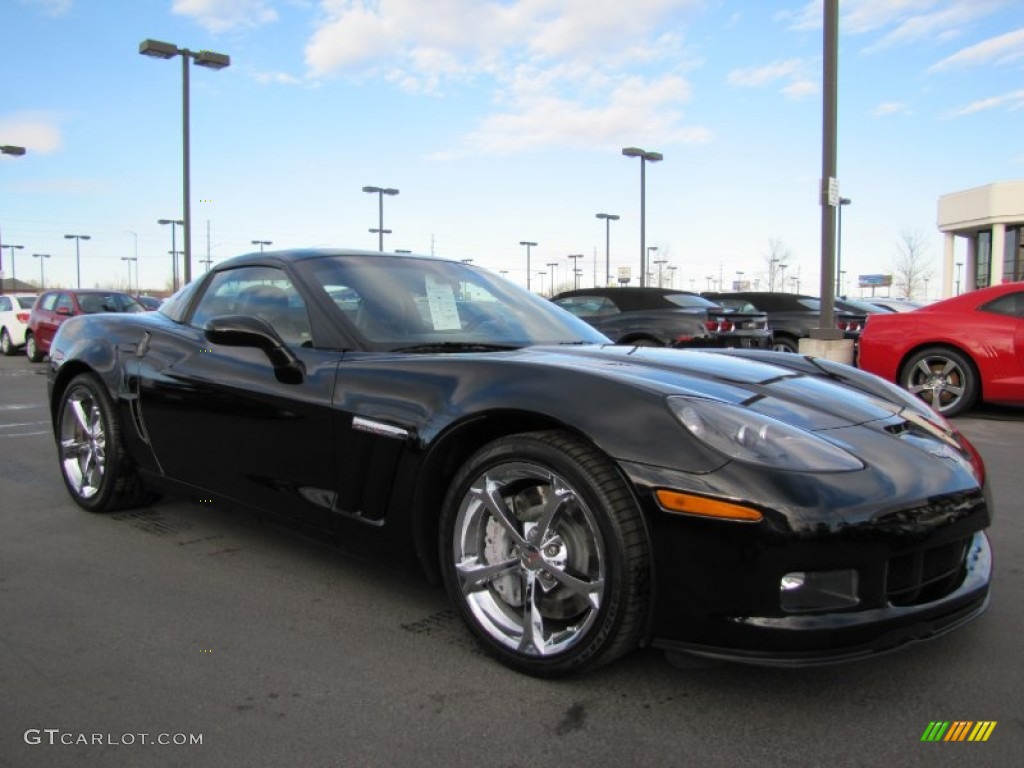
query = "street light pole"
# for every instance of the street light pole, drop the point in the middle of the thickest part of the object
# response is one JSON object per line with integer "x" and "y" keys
{"x": 739, "y": 280}
{"x": 554, "y": 272}
{"x": 608, "y": 219}
{"x": 261, "y": 243}
{"x": 650, "y": 261}
{"x": 78, "y": 255}
{"x": 839, "y": 241}
{"x": 528, "y": 245}
{"x": 42, "y": 272}
{"x": 174, "y": 249}
{"x": 645, "y": 157}
{"x": 575, "y": 272}
{"x": 380, "y": 192}
{"x": 14, "y": 276}
{"x": 204, "y": 58}
{"x": 130, "y": 259}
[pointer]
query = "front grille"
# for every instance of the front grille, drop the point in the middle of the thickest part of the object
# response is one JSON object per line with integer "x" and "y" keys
{"x": 928, "y": 575}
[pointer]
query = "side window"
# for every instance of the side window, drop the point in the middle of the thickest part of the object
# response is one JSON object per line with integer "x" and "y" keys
{"x": 588, "y": 306}
{"x": 5, "y": 304}
{"x": 48, "y": 301}
{"x": 1012, "y": 305}
{"x": 64, "y": 302}
{"x": 263, "y": 292}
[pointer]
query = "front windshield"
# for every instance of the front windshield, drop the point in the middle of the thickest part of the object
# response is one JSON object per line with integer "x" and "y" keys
{"x": 399, "y": 301}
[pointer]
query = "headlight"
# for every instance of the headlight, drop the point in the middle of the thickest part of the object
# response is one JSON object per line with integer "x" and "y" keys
{"x": 750, "y": 437}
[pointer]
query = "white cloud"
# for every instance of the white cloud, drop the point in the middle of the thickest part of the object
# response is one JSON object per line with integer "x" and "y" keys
{"x": 755, "y": 77}
{"x": 998, "y": 50}
{"x": 890, "y": 108}
{"x": 276, "y": 78}
{"x": 36, "y": 131}
{"x": 222, "y": 15}
{"x": 800, "y": 89}
{"x": 52, "y": 7}
{"x": 562, "y": 71}
{"x": 1012, "y": 101}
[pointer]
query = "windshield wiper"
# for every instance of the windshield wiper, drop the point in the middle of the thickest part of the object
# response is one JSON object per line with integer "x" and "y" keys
{"x": 456, "y": 346}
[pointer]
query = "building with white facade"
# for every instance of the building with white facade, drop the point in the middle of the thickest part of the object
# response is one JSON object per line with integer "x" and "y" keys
{"x": 991, "y": 220}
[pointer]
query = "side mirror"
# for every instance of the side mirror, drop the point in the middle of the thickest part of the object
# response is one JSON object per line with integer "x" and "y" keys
{"x": 246, "y": 331}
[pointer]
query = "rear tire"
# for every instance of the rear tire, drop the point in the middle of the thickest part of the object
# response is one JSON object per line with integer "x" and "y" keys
{"x": 32, "y": 349}
{"x": 545, "y": 555}
{"x": 6, "y": 345}
{"x": 785, "y": 344}
{"x": 97, "y": 471}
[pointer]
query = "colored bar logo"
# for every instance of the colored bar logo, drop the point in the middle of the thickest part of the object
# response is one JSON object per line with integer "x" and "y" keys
{"x": 958, "y": 730}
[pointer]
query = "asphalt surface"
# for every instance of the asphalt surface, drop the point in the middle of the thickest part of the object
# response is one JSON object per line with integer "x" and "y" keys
{"x": 185, "y": 622}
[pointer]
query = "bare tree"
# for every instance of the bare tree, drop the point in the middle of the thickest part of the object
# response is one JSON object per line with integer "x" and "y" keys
{"x": 778, "y": 258}
{"x": 911, "y": 269}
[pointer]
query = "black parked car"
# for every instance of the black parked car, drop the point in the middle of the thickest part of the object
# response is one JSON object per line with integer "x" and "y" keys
{"x": 577, "y": 498}
{"x": 791, "y": 316}
{"x": 663, "y": 317}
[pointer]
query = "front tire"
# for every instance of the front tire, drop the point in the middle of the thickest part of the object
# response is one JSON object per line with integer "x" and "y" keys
{"x": 32, "y": 349}
{"x": 785, "y": 344}
{"x": 545, "y": 555}
{"x": 943, "y": 378}
{"x": 96, "y": 469}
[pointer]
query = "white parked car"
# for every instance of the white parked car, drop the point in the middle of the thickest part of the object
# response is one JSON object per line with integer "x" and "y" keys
{"x": 14, "y": 311}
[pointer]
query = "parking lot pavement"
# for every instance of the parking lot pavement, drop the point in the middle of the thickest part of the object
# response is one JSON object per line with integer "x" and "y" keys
{"x": 182, "y": 621}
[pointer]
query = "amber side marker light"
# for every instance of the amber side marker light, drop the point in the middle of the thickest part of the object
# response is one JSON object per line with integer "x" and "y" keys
{"x": 673, "y": 501}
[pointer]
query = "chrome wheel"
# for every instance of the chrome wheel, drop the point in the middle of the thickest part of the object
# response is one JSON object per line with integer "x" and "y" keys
{"x": 97, "y": 471}
{"x": 32, "y": 349}
{"x": 943, "y": 378}
{"x": 785, "y": 345}
{"x": 6, "y": 346}
{"x": 83, "y": 443}
{"x": 529, "y": 559}
{"x": 545, "y": 554}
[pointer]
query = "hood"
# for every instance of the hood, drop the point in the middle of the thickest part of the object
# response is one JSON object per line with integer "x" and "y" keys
{"x": 801, "y": 391}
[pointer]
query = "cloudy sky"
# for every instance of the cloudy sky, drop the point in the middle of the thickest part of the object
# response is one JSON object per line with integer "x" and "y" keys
{"x": 500, "y": 121}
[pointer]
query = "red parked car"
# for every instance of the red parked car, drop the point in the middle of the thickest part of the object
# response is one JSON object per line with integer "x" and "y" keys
{"x": 954, "y": 353}
{"x": 54, "y": 307}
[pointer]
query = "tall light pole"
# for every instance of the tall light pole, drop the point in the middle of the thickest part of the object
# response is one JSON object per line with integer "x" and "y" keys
{"x": 8, "y": 149}
{"x": 541, "y": 275}
{"x": 660, "y": 263}
{"x": 645, "y": 157}
{"x": 261, "y": 243}
{"x": 174, "y": 249}
{"x": 782, "y": 276}
{"x": 608, "y": 219}
{"x": 42, "y": 272}
{"x": 14, "y": 276}
{"x": 130, "y": 259}
{"x": 739, "y": 280}
{"x": 380, "y": 192}
{"x": 78, "y": 254}
{"x": 839, "y": 241}
{"x": 528, "y": 245}
{"x": 204, "y": 58}
{"x": 575, "y": 272}
{"x": 554, "y": 272}
{"x": 649, "y": 260}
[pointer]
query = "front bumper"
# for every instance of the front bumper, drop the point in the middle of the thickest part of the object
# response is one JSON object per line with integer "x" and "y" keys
{"x": 846, "y": 636}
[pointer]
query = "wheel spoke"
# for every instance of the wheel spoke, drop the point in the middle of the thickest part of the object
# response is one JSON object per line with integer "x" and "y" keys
{"x": 554, "y": 501}
{"x": 489, "y": 492}
{"x": 80, "y": 416}
{"x": 591, "y": 590}
{"x": 472, "y": 577}
{"x": 532, "y": 641}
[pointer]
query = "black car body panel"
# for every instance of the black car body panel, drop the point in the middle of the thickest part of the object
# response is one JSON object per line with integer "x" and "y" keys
{"x": 666, "y": 317}
{"x": 352, "y": 435}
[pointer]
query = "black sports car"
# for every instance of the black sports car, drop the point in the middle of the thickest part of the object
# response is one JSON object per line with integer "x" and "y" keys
{"x": 792, "y": 316}
{"x": 577, "y": 498}
{"x": 663, "y": 317}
